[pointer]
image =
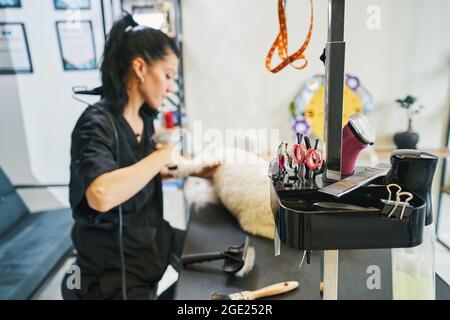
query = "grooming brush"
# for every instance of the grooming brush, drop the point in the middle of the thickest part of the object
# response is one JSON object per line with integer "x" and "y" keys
{"x": 237, "y": 260}
{"x": 269, "y": 291}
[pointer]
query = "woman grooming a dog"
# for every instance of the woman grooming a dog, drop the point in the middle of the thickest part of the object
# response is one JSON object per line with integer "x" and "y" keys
{"x": 123, "y": 243}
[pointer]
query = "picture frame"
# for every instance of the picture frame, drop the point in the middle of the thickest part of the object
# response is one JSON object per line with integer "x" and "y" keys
{"x": 10, "y": 4}
{"x": 72, "y": 4}
{"x": 15, "y": 56}
{"x": 77, "y": 45}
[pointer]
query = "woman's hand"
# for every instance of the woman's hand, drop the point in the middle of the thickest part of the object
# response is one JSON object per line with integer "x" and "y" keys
{"x": 114, "y": 188}
{"x": 166, "y": 174}
{"x": 170, "y": 151}
{"x": 207, "y": 172}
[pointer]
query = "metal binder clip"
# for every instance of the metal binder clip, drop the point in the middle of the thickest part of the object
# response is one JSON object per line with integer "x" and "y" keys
{"x": 399, "y": 189}
{"x": 397, "y": 202}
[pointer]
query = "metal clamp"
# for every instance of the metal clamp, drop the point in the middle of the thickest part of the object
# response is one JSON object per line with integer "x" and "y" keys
{"x": 398, "y": 195}
{"x": 398, "y": 202}
{"x": 389, "y": 190}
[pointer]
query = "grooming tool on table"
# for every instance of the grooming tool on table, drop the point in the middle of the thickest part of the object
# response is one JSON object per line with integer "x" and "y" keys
{"x": 356, "y": 136}
{"x": 274, "y": 170}
{"x": 288, "y": 157}
{"x": 237, "y": 260}
{"x": 314, "y": 162}
{"x": 395, "y": 204}
{"x": 308, "y": 161}
{"x": 268, "y": 291}
{"x": 308, "y": 147}
{"x": 342, "y": 206}
{"x": 362, "y": 176}
{"x": 321, "y": 168}
{"x": 289, "y": 166}
{"x": 298, "y": 155}
{"x": 281, "y": 163}
{"x": 414, "y": 170}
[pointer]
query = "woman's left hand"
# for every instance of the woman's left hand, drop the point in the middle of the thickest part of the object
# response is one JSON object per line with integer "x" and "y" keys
{"x": 166, "y": 174}
{"x": 207, "y": 172}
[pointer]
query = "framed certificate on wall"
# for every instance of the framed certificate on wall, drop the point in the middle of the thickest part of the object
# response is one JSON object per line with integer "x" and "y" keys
{"x": 72, "y": 4}
{"x": 10, "y": 4}
{"x": 14, "y": 50}
{"x": 77, "y": 45}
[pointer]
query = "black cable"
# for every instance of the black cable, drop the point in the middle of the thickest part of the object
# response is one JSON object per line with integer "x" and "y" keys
{"x": 121, "y": 249}
{"x": 102, "y": 7}
{"x": 122, "y": 255}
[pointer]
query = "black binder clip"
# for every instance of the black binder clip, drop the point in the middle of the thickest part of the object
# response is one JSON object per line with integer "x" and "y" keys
{"x": 397, "y": 208}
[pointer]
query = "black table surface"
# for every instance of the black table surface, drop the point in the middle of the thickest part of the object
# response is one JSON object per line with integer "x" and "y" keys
{"x": 213, "y": 228}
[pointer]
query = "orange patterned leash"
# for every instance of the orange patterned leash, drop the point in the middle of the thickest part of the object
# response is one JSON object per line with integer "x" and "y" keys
{"x": 281, "y": 43}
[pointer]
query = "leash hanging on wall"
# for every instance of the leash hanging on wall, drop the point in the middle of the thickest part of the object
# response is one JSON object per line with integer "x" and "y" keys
{"x": 281, "y": 43}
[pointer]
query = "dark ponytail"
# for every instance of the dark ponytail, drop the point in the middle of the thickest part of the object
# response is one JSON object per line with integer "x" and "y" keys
{"x": 126, "y": 41}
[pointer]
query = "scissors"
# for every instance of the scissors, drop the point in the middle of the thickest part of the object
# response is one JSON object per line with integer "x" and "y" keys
{"x": 311, "y": 158}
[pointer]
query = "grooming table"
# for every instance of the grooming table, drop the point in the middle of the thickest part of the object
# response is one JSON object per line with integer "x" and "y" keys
{"x": 213, "y": 228}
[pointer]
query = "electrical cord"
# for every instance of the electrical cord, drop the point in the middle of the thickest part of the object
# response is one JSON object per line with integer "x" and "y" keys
{"x": 98, "y": 91}
{"x": 121, "y": 248}
{"x": 122, "y": 255}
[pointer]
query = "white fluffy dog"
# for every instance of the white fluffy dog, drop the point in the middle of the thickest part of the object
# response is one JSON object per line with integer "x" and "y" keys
{"x": 241, "y": 184}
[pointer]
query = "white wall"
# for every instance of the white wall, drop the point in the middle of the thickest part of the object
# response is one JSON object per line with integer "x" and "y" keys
{"x": 37, "y": 111}
{"x": 226, "y": 42}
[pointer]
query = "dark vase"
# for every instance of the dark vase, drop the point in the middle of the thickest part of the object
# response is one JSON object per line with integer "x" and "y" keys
{"x": 406, "y": 140}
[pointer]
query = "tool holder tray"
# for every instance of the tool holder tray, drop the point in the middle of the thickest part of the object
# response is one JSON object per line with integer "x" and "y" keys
{"x": 302, "y": 226}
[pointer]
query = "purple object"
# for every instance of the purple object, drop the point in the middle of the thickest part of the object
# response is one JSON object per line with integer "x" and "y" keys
{"x": 351, "y": 148}
{"x": 301, "y": 125}
{"x": 353, "y": 82}
{"x": 281, "y": 162}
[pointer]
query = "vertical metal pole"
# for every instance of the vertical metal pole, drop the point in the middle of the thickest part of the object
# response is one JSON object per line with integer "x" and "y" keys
{"x": 330, "y": 274}
{"x": 179, "y": 40}
{"x": 441, "y": 190}
{"x": 102, "y": 7}
{"x": 334, "y": 89}
{"x": 334, "y": 102}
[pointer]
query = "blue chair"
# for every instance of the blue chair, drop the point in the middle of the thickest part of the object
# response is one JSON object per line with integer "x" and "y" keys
{"x": 32, "y": 245}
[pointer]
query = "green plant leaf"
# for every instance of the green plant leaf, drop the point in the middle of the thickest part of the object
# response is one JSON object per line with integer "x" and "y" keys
{"x": 292, "y": 109}
{"x": 410, "y": 100}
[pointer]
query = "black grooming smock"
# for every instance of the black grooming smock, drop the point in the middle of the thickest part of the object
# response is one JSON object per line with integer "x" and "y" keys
{"x": 146, "y": 235}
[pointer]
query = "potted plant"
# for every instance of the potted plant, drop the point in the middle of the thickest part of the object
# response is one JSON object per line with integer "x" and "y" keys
{"x": 408, "y": 139}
